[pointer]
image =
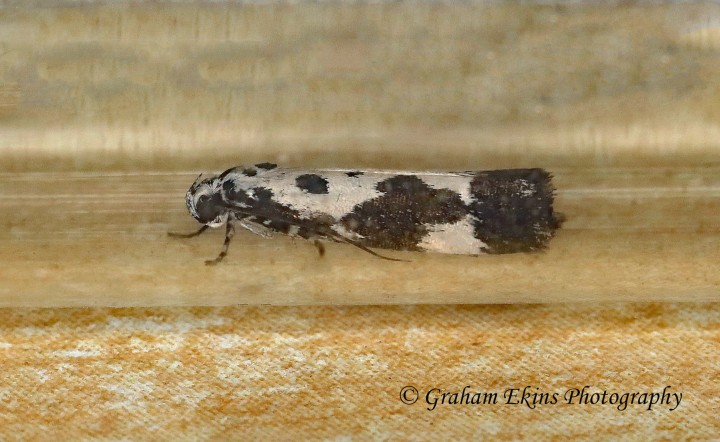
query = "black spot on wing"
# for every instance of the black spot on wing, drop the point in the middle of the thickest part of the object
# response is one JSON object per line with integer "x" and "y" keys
{"x": 312, "y": 183}
{"x": 266, "y": 166}
{"x": 354, "y": 173}
{"x": 249, "y": 171}
{"x": 513, "y": 209}
{"x": 398, "y": 219}
{"x": 278, "y": 217}
{"x": 263, "y": 194}
{"x": 272, "y": 214}
{"x": 233, "y": 196}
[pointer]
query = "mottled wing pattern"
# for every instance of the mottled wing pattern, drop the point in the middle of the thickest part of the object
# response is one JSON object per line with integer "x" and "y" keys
{"x": 502, "y": 211}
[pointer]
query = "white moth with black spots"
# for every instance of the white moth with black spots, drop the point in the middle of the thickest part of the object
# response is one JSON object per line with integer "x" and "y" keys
{"x": 468, "y": 213}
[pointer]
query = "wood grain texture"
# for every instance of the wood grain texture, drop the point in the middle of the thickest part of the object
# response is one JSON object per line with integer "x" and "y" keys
{"x": 425, "y": 85}
{"x": 100, "y": 239}
{"x": 108, "y": 112}
{"x": 327, "y": 373}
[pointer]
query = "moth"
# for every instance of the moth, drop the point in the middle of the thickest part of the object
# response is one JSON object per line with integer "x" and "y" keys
{"x": 468, "y": 213}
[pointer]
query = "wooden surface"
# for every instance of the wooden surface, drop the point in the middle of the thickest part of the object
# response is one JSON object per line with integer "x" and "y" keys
{"x": 427, "y": 85}
{"x": 109, "y": 112}
{"x": 100, "y": 239}
{"x": 329, "y": 373}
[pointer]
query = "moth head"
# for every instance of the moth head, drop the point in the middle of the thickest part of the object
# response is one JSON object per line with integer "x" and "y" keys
{"x": 204, "y": 202}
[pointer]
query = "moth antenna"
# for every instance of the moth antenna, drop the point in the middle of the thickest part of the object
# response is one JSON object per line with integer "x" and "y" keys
{"x": 362, "y": 247}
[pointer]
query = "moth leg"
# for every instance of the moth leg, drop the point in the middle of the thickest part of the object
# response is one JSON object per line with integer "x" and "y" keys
{"x": 188, "y": 235}
{"x": 320, "y": 247}
{"x": 256, "y": 228}
{"x": 229, "y": 233}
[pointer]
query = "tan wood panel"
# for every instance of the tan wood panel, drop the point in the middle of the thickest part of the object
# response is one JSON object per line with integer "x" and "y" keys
{"x": 460, "y": 86}
{"x": 100, "y": 239}
{"x": 108, "y": 112}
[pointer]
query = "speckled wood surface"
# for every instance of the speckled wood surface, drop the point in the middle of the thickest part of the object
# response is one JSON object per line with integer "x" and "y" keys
{"x": 323, "y": 373}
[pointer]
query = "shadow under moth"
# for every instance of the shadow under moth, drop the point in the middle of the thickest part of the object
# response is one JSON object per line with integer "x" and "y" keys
{"x": 467, "y": 213}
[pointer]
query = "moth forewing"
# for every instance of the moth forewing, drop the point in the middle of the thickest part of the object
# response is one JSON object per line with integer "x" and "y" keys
{"x": 469, "y": 213}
